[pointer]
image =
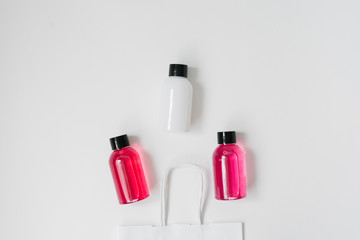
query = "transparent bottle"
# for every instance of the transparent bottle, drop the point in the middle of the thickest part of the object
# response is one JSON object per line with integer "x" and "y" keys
{"x": 127, "y": 171}
{"x": 229, "y": 168}
{"x": 176, "y": 100}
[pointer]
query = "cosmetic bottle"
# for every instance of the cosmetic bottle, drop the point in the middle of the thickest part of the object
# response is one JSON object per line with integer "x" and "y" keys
{"x": 229, "y": 168}
{"x": 176, "y": 100}
{"x": 127, "y": 171}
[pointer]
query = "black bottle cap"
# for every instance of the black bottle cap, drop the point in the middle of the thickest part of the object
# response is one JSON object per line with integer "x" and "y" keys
{"x": 179, "y": 70}
{"x": 226, "y": 137}
{"x": 119, "y": 142}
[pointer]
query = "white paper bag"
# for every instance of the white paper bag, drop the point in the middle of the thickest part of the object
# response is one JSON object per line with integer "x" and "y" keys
{"x": 217, "y": 231}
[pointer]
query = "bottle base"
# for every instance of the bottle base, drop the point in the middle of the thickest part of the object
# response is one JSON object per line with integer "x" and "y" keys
{"x": 230, "y": 198}
{"x": 136, "y": 200}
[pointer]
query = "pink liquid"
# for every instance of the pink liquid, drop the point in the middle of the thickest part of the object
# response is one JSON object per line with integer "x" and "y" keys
{"x": 229, "y": 172}
{"x": 128, "y": 175}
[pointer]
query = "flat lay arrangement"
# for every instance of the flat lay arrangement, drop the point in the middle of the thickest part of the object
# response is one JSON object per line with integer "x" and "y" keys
{"x": 176, "y": 100}
{"x": 167, "y": 120}
{"x": 228, "y": 167}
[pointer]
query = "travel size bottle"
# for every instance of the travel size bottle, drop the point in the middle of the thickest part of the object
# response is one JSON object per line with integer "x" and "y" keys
{"x": 176, "y": 100}
{"x": 127, "y": 171}
{"x": 229, "y": 168}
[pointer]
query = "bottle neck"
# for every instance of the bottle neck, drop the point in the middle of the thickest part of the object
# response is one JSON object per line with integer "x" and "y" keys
{"x": 119, "y": 149}
{"x": 182, "y": 77}
{"x": 228, "y": 144}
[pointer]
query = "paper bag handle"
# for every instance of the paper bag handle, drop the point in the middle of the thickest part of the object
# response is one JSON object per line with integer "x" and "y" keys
{"x": 164, "y": 184}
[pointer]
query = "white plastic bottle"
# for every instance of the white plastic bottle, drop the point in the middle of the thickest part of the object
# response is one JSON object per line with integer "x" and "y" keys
{"x": 176, "y": 100}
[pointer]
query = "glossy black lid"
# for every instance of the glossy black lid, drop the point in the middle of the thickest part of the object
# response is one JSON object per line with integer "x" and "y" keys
{"x": 179, "y": 70}
{"x": 226, "y": 137}
{"x": 119, "y": 142}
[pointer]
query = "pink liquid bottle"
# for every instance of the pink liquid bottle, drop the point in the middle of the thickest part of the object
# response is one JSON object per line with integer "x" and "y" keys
{"x": 229, "y": 168}
{"x": 127, "y": 171}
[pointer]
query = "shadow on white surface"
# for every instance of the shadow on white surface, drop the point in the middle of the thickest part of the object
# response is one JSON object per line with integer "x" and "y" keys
{"x": 198, "y": 100}
{"x": 249, "y": 161}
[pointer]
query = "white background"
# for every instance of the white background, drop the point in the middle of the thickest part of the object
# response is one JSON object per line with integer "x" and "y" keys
{"x": 283, "y": 74}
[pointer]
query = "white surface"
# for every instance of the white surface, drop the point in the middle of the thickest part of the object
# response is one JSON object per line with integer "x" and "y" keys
{"x": 283, "y": 73}
{"x": 164, "y": 191}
